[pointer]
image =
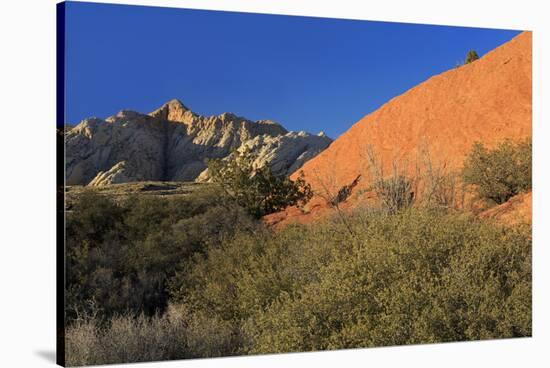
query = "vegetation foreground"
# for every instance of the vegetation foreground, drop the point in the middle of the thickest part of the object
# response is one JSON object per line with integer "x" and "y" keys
{"x": 200, "y": 276}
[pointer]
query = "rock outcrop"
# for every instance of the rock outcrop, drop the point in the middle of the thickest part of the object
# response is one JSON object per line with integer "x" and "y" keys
{"x": 172, "y": 144}
{"x": 485, "y": 101}
{"x": 517, "y": 210}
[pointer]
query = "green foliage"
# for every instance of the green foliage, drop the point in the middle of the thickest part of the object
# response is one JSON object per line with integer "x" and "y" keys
{"x": 257, "y": 189}
{"x": 121, "y": 255}
{"x": 267, "y": 264}
{"x": 471, "y": 57}
{"x": 416, "y": 276}
{"x": 500, "y": 173}
{"x": 197, "y": 276}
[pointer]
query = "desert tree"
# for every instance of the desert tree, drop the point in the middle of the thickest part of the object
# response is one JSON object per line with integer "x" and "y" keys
{"x": 471, "y": 56}
{"x": 255, "y": 187}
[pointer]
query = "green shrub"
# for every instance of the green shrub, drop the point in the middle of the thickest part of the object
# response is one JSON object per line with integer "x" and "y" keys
{"x": 416, "y": 276}
{"x": 257, "y": 189}
{"x": 121, "y": 255}
{"x": 250, "y": 270}
{"x": 419, "y": 275}
{"x": 500, "y": 173}
{"x": 471, "y": 57}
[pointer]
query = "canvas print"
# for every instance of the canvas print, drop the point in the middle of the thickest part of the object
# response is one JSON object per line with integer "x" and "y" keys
{"x": 237, "y": 184}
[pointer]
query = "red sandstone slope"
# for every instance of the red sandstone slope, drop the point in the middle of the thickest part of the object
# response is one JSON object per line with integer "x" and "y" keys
{"x": 487, "y": 101}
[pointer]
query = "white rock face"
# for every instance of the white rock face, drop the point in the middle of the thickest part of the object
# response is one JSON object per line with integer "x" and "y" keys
{"x": 172, "y": 144}
{"x": 117, "y": 174}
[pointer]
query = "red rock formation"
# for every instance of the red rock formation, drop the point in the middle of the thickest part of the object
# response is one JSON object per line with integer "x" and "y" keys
{"x": 516, "y": 210}
{"x": 487, "y": 100}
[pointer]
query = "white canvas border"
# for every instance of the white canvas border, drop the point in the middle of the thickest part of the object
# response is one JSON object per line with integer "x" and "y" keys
{"x": 27, "y": 75}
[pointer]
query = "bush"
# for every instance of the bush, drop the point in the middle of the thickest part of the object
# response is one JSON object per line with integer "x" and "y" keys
{"x": 438, "y": 186}
{"x": 471, "y": 57}
{"x": 121, "y": 255}
{"x": 127, "y": 338}
{"x": 416, "y": 276}
{"x": 500, "y": 173}
{"x": 395, "y": 192}
{"x": 257, "y": 189}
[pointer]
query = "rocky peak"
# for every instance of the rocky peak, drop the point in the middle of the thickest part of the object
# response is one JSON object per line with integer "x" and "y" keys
{"x": 228, "y": 116}
{"x": 173, "y": 110}
{"x": 124, "y": 115}
{"x": 268, "y": 122}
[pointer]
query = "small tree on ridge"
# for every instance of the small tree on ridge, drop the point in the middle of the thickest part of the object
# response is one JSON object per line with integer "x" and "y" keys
{"x": 471, "y": 57}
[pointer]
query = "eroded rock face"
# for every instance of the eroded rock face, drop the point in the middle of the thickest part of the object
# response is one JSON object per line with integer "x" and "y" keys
{"x": 96, "y": 146}
{"x": 172, "y": 144}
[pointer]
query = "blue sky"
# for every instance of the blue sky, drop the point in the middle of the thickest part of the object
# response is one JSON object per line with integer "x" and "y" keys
{"x": 306, "y": 73}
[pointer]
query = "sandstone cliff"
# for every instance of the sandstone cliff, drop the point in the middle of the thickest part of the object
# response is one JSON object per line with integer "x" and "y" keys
{"x": 172, "y": 144}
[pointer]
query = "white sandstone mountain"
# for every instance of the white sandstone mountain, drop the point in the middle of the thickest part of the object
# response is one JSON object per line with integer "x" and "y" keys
{"x": 172, "y": 144}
